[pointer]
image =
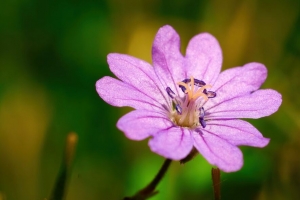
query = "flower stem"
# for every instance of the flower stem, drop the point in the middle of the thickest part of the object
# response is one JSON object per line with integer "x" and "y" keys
{"x": 216, "y": 178}
{"x": 148, "y": 191}
{"x": 59, "y": 190}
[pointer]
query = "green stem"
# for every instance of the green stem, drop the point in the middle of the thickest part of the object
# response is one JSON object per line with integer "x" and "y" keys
{"x": 59, "y": 189}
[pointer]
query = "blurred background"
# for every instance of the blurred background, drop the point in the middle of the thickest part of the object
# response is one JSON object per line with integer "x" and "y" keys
{"x": 53, "y": 52}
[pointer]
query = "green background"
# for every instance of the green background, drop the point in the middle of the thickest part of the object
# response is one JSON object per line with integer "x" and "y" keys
{"x": 53, "y": 52}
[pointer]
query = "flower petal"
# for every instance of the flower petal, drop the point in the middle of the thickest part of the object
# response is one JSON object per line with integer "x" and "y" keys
{"x": 139, "y": 74}
{"x": 258, "y": 104}
{"x": 174, "y": 143}
{"x": 140, "y": 124}
{"x": 204, "y": 58}
{"x": 238, "y": 81}
{"x": 218, "y": 151}
{"x": 237, "y": 132}
{"x": 167, "y": 59}
{"x": 118, "y": 93}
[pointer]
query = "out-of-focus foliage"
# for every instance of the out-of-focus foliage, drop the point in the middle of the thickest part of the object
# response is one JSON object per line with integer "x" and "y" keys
{"x": 52, "y": 53}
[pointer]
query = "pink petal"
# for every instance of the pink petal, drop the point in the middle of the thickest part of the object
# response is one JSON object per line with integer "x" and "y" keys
{"x": 238, "y": 82}
{"x": 236, "y": 132}
{"x": 118, "y": 93}
{"x": 167, "y": 59}
{"x": 255, "y": 105}
{"x": 174, "y": 143}
{"x": 140, "y": 124}
{"x": 204, "y": 58}
{"x": 218, "y": 151}
{"x": 139, "y": 74}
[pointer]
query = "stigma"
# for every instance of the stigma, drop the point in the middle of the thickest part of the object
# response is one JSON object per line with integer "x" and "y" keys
{"x": 188, "y": 111}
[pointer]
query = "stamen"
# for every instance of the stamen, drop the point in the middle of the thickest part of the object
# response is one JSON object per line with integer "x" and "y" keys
{"x": 210, "y": 94}
{"x": 187, "y": 80}
{"x": 189, "y": 109}
{"x": 183, "y": 86}
{"x": 178, "y": 109}
{"x": 170, "y": 92}
{"x": 201, "y": 118}
{"x": 202, "y": 112}
{"x": 189, "y": 88}
{"x": 197, "y": 83}
{"x": 202, "y": 122}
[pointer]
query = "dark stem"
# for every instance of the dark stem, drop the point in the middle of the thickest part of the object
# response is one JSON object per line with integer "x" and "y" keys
{"x": 216, "y": 178}
{"x": 148, "y": 191}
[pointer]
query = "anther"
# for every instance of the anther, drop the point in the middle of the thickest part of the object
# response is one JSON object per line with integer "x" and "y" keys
{"x": 201, "y": 118}
{"x": 197, "y": 83}
{"x": 202, "y": 112}
{"x": 202, "y": 122}
{"x": 184, "y": 81}
{"x": 210, "y": 94}
{"x": 178, "y": 109}
{"x": 170, "y": 92}
{"x": 187, "y": 80}
{"x": 182, "y": 88}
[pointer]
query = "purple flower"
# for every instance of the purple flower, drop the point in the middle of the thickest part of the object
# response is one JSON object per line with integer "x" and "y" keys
{"x": 184, "y": 102}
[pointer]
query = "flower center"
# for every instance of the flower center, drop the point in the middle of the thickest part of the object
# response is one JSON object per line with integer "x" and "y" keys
{"x": 188, "y": 111}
